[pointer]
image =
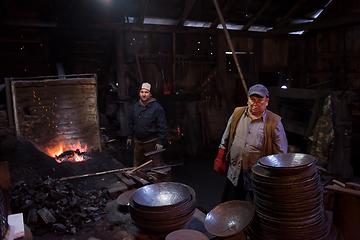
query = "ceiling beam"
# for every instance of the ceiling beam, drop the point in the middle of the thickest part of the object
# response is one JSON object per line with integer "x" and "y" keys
{"x": 289, "y": 14}
{"x": 143, "y": 10}
{"x": 188, "y": 6}
{"x": 105, "y": 28}
{"x": 351, "y": 19}
{"x": 326, "y": 10}
{"x": 224, "y": 12}
{"x": 256, "y": 16}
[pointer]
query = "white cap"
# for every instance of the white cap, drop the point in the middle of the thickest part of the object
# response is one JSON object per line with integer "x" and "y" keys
{"x": 146, "y": 86}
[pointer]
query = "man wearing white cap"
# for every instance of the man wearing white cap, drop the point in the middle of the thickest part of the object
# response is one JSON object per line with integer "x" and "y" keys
{"x": 252, "y": 132}
{"x": 147, "y": 125}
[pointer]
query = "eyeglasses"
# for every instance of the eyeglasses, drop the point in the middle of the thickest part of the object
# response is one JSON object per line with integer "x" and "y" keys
{"x": 257, "y": 103}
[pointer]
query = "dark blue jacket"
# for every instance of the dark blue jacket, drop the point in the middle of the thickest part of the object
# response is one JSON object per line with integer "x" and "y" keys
{"x": 147, "y": 122}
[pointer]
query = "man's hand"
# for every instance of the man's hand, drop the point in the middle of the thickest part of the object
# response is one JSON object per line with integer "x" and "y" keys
{"x": 219, "y": 163}
{"x": 158, "y": 146}
{"x": 128, "y": 142}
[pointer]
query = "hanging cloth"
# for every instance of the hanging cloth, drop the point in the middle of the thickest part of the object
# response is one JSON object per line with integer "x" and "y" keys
{"x": 323, "y": 134}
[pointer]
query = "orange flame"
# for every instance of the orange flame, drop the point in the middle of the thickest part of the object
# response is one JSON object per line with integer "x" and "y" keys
{"x": 56, "y": 151}
{"x": 77, "y": 158}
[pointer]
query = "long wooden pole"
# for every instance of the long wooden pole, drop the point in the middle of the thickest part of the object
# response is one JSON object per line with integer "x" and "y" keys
{"x": 113, "y": 171}
{"x": 96, "y": 174}
{"x": 230, "y": 44}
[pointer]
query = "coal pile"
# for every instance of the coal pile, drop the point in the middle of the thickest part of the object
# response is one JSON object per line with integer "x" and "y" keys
{"x": 53, "y": 206}
{"x": 48, "y": 204}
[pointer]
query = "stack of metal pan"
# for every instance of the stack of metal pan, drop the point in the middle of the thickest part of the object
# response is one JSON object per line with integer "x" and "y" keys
{"x": 288, "y": 199}
{"x": 162, "y": 207}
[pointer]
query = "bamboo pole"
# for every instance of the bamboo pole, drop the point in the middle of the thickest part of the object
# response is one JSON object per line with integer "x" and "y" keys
{"x": 230, "y": 44}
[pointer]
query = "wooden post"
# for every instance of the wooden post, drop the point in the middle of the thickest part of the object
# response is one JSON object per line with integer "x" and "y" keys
{"x": 173, "y": 60}
{"x": 257, "y": 59}
{"x": 136, "y": 56}
{"x": 10, "y": 111}
{"x": 120, "y": 65}
{"x": 123, "y": 113}
{"x": 230, "y": 44}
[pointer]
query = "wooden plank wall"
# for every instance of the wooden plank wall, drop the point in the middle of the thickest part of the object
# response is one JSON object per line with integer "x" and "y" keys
{"x": 53, "y": 111}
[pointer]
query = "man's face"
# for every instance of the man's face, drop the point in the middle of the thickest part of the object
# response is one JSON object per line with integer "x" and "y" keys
{"x": 145, "y": 95}
{"x": 257, "y": 104}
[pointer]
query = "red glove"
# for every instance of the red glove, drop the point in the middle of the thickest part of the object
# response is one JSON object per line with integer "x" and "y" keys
{"x": 219, "y": 163}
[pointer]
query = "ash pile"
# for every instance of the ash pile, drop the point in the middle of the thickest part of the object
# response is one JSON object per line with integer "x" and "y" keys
{"x": 57, "y": 207}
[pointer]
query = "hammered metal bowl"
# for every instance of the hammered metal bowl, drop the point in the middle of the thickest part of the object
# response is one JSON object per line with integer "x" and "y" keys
{"x": 288, "y": 199}
{"x": 229, "y": 218}
{"x": 160, "y": 196}
{"x": 262, "y": 173}
{"x": 162, "y": 208}
{"x": 287, "y": 163}
{"x": 186, "y": 234}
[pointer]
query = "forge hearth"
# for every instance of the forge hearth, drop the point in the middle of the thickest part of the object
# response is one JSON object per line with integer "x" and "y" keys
{"x": 55, "y": 110}
{"x": 71, "y": 155}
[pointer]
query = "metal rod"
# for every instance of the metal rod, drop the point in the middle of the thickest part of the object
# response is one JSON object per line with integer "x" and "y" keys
{"x": 230, "y": 44}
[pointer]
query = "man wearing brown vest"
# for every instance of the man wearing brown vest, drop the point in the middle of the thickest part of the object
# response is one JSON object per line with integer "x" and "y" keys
{"x": 252, "y": 132}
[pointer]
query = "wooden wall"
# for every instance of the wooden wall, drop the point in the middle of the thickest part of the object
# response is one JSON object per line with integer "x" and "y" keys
{"x": 202, "y": 75}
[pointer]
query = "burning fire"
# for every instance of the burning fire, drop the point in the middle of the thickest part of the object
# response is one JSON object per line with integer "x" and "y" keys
{"x": 69, "y": 152}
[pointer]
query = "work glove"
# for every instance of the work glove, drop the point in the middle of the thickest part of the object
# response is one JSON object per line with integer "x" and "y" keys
{"x": 219, "y": 163}
{"x": 128, "y": 142}
{"x": 158, "y": 146}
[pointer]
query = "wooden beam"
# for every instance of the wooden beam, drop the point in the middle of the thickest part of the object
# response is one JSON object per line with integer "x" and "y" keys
{"x": 230, "y": 45}
{"x": 296, "y": 93}
{"x": 188, "y": 6}
{"x": 20, "y": 40}
{"x": 290, "y": 13}
{"x": 350, "y": 19}
{"x": 147, "y": 28}
{"x": 294, "y": 126}
{"x": 120, "y": 65}
{"x": 224, "y": 12}
{"x": 256, "y": 16}
{"x": 143, "y": 9}
{"x": 133, "y": 44}
{"x": 323, "y": 14}
{"x": 174, "y": 60}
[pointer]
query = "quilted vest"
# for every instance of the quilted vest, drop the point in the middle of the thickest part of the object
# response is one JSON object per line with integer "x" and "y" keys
{"x": 271, "y": 121}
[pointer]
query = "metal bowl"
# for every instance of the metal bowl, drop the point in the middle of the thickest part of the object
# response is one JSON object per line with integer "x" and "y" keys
{"x": 186, "y": 234}
{"x": 123, "y": 199}
{"x": 229, "y": 218}
{"x": 261, "y": 173}
{"x": 287, "y": 163}
{"x": 167, "y": 217}
{"x": 161, "y": 195}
